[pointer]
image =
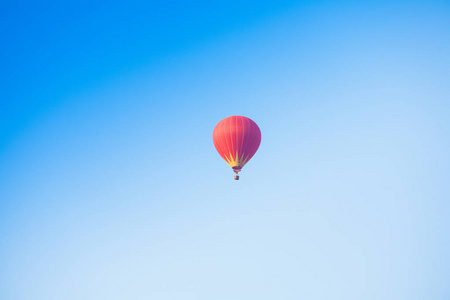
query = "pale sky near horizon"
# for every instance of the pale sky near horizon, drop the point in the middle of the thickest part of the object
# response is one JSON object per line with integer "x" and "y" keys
{"x": 110, "y": 186}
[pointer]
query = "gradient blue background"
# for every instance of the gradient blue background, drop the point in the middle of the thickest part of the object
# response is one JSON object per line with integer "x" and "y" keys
{"x": 110, "y": 186}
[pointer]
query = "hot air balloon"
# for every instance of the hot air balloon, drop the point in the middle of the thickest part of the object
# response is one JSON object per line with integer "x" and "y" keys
{"x": 236, "y": 138}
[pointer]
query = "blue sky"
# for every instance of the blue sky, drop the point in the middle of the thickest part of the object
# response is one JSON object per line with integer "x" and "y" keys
{"x": 110, "y": 186}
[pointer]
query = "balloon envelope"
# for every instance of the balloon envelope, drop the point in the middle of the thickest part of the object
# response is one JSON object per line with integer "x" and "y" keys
{"x": 236, "y": 138}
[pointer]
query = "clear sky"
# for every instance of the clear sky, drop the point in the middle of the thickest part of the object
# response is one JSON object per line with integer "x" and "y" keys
{"x": 111, "y": 188}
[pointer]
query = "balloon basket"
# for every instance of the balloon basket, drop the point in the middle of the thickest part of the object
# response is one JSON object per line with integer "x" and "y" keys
{"x": 236, "y": 177}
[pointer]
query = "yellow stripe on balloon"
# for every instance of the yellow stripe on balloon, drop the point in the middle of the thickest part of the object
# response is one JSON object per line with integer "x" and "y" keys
{"x": 236, "y": 161}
